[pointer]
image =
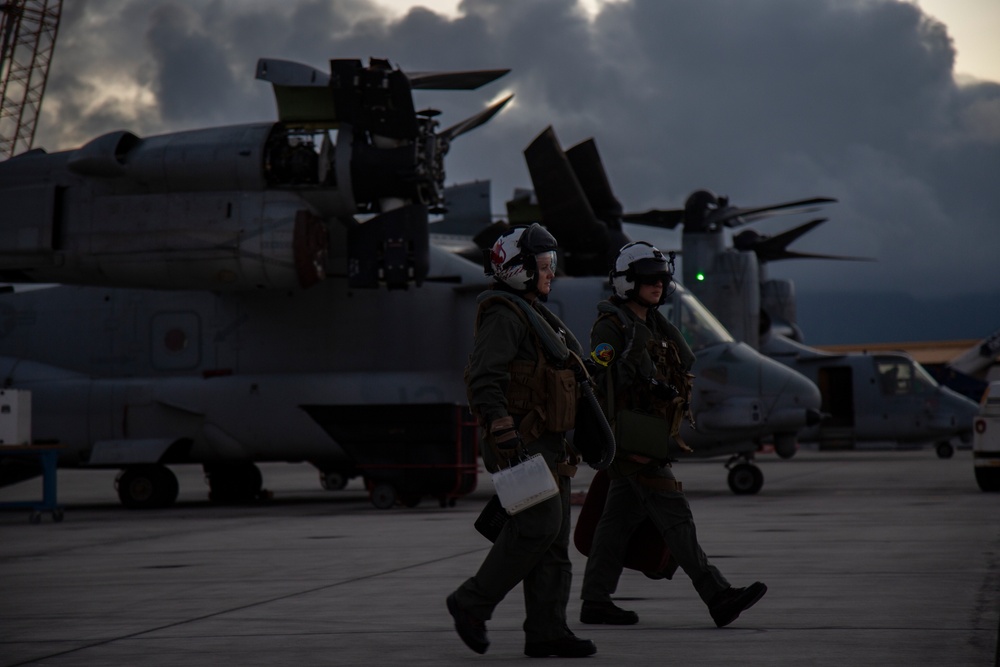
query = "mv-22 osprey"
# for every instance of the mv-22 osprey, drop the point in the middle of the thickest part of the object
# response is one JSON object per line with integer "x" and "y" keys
{"x": 211, "y": 305}
{"x": 884, "y": 397}
{"x": 220, "y": 302}
{"x": 865, "y": 398}
{"x": 740, "y": 397}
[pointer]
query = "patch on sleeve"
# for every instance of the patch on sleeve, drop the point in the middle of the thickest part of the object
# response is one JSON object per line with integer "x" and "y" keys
{"x": 603, "y": 354}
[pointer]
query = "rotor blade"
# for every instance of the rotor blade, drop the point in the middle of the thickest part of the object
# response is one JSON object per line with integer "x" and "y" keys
{"x": 560, "y": 196}
{"x": 666, "y": 218}
{"x": 773, "y": 248}
{"x": 472, "y": 122}
{"x": 288, "y": 73}
{"x": 589, "y": 169}
{"x": 727, "y": 216}
{"x": 469, "y": 80}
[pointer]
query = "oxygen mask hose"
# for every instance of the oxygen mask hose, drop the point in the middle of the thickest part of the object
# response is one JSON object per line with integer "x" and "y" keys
{"x": 608, "y": 451}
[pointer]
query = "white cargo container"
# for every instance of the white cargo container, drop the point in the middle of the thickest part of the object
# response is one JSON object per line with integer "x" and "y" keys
{"x": 986, "y": 440}
{"x": 15, "y": 417}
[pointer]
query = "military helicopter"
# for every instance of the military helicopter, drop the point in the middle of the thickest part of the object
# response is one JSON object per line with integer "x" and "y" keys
{"x": 217, "y": 288}
{"x": 866, "y": 397}
{"x": 740, "y": 396}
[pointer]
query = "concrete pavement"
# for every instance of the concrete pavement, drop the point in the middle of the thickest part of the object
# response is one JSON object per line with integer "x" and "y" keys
{"x": 871, "y": 558}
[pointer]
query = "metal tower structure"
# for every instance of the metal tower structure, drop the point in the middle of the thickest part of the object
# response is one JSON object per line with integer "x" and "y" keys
{"x": 28, "y": 30}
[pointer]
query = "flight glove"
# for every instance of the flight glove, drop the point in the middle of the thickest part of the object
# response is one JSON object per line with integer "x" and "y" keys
{"x": 505, "y": 439}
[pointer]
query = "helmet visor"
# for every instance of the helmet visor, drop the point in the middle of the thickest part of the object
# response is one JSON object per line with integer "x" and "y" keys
{"x": 546, "y": 261}
{"x": 648, "y": 270}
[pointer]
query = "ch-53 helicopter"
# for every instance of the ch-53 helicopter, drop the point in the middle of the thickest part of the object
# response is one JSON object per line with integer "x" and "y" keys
{"x": 866, "y": 397}
{"x": 740, "y": 396}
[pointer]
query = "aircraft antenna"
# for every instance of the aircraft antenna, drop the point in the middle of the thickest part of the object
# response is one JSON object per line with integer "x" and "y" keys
{"x": 28, "y": 30}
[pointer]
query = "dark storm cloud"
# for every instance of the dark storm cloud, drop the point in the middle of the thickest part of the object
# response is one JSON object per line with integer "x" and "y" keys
{"x": 763, "y": 101}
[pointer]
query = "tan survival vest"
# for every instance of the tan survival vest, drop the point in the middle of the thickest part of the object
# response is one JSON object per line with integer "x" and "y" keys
{"x": 541, "y": 396}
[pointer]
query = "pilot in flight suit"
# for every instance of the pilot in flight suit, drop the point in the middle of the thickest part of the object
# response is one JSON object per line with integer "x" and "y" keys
{"x": 518, "y": 342}
{"x": 649, "y": 362}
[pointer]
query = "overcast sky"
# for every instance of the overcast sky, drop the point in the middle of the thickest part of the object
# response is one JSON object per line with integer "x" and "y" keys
{"x": 763, "y": 101}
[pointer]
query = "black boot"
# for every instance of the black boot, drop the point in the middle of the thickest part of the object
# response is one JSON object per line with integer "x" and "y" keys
{"x": 727, "y": 605}
{"x": 607, "y": 612}
{"x": 569, "y": 646}
{"x": 469, "y": 628}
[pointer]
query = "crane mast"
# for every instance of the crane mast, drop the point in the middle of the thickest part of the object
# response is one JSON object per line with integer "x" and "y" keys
{"x": 28, "y": 30}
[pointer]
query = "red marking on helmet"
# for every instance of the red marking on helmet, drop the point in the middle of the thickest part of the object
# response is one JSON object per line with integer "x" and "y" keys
{"x": 498, "y": 256}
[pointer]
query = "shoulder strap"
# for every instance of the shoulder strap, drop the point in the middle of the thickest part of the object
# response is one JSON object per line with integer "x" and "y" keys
{"x": 555, "y": 348}
{"x": 606, "y": 309}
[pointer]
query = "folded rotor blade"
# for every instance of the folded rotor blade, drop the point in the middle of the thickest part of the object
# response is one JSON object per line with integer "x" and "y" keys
{"x": 666, "y": 218}
{"x": 288, "y": 73}
{"x": 773, "y": 248}
{"x": 589, "y": 169}
{"x": 566, "y": 212}
{"x": 454, "y": 80}
{"x": 472, "y": 122}
{"x": 732, "y": 216}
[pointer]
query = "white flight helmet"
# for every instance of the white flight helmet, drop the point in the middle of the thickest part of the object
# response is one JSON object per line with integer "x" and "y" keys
{"x": 512, "y": 258}
{"x": 637, "y": 263}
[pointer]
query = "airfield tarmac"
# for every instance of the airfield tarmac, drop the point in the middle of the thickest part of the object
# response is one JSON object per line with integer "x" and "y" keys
{"x": 871, "y": 558}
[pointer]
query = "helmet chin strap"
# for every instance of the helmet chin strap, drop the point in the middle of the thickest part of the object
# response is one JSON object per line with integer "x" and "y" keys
{"x": 642, "y": 302}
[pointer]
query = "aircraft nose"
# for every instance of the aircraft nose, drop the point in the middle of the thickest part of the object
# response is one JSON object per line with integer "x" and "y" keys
{"x": 790, "y": 399}
{"x": 759, "y": 392}
{"x": 956, "y": 411}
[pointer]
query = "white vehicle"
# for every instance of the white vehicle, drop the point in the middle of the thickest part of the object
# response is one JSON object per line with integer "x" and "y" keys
{"x": 986, "y": 440}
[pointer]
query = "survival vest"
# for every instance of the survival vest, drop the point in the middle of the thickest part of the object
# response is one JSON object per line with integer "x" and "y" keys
{"x": 670, "y": 369}
{"x": 542, "y": 394}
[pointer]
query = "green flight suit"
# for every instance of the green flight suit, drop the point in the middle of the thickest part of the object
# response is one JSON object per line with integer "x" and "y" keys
{"x": 533, "y": 546}
{"x": 632, "y": 495}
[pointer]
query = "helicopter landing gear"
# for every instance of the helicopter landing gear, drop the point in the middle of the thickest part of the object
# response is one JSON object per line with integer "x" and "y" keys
{"x": 333, "y": 480}
{"x": 745, "y": 478}
{"x": 383, "y": 496}
{"x": 233, "y": 482}
{"x": 147, "y": 486}
{"x": 944, "y": 449}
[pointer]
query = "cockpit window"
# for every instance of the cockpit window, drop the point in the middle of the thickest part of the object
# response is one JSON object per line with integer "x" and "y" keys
{"x": 899, "y": 376}
{"x": 698, "y": 326}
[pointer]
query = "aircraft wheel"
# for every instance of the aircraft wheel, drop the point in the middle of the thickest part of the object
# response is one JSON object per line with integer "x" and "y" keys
{"x": 233, "y": 483}
{"x": 745, "y": 479}
{"x": 988, "y": 479}
{"x": 383, "y": 496}
{"x": 146, "y": 486}
{"x": 333, "y": 480}
{"x": 945, "y": 450}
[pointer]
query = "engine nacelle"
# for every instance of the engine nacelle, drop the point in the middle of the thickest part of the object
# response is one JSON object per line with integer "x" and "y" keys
{"x": 242, "y": 207}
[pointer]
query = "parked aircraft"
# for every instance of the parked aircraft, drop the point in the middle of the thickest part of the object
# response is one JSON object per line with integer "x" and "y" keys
{"x": 215, "y": 302}
{"x": 882, "y": 397}
{"x": 211, "y": 306}
{"x": 741, "y": 397}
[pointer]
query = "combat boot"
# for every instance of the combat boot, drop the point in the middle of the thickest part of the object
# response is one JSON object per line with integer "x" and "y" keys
{"x": 726, "y": 606}
{"x": 569, "y": 646}
{"x": 607, "y": 612}
{"x": 469, "y": 628}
